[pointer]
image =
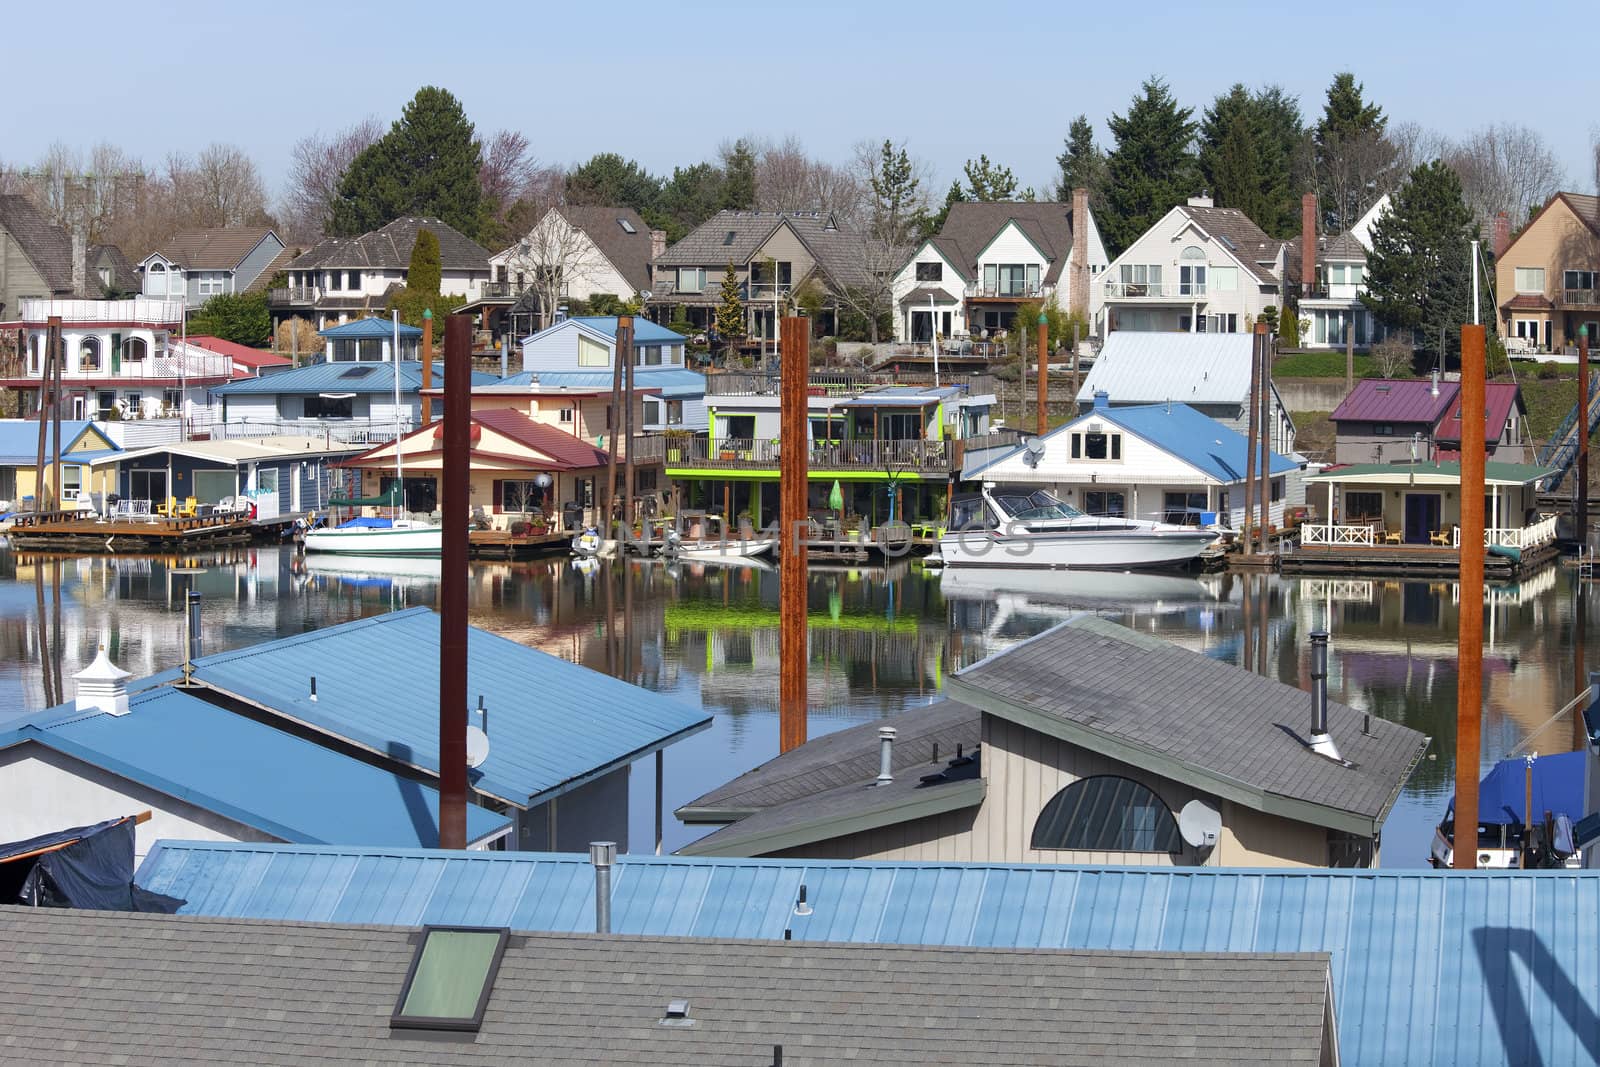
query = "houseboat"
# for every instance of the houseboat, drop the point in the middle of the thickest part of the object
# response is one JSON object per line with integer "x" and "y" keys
{"x": 1513, "y": 834}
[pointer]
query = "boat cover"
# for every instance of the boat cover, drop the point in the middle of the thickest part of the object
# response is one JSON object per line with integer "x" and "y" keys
{"x": 84, "y": 867}
{"x": 387, "y": 499}
{"x": 1557, "y": 788}
{"x": 370, "y": 523}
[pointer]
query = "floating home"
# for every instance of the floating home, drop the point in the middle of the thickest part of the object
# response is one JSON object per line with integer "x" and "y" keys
{"x": 1090, "y": 743}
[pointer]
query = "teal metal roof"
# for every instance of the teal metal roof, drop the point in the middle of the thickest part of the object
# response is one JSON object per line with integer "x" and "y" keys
{"x": 1429, "y": 967}
{"x": 553, "y": 725}
{"x": 248, "y": 772}
{"x": 369, "y": 327}
{"x": 19, "y": 440}
{"x": 343, "y": 377}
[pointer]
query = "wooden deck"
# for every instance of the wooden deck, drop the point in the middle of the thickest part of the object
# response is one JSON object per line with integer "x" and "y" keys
{"x": 73, "y": 532}
{"x": 1422, "y": 561}
{"x": 502, "y": 544}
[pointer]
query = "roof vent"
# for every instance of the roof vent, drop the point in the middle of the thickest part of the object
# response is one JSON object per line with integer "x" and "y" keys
{"x": 886, "y": 735}
{"x": 102, "y": 686}
{"x": 677, "y": 1013}
{"x": 1321, "y": 741}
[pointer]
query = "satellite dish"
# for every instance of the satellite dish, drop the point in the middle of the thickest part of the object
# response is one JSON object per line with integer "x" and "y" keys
{"x": 1199, "y": 824}
{"x": 478, "y": 747}
{"x": 1036, "y": 446}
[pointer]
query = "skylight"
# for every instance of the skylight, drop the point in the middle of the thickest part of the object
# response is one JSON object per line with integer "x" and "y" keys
{"x": 1225, "y": 239}
{"x": 627, "y": 227}
{"x": 732, "y": 234}
{"x": 451, "y": 977}
{"x": 357, "y": 372}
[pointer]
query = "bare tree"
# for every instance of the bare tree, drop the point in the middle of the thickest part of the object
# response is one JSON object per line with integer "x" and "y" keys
{"x": 517, "y": 191}
{"x": 1505, "y": 167}
{"x": 224, "y": 188}
{"x": 552, "y": 260}
{"x": 1414, "y": 145}
{"x": 787, "y": 179}
{"x": 316, "y": 166}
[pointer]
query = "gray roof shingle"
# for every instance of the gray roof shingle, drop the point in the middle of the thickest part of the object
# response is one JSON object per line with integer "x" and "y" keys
{"x": 389, "y": 247}
{"x": 109, "y": 987}
{"x": 221, "y": 248}
{"x": 1195, "y": 719}
{"x": 970, "y": 227}
{"x": 1243, "y": 237}
{"x": 735, "y": 236}
{"x": 628, "y": 252}
{"x": 46, "y": 245}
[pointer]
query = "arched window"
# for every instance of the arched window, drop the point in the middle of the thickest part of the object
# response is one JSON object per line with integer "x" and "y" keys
{"x": 135, "y": 349}
{"x": 89, "y": 354}
{"x": 1193, "y": 252}
{"x": 1107, "y": 813}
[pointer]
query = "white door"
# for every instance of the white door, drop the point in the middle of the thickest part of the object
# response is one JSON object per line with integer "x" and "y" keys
{"x": 294, "y": 488}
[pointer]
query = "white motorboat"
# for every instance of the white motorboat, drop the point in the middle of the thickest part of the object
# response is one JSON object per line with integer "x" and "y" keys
{"x": 378, "y": 537}
{"x": 714, "y": 543}
{"x": 1032, "y": 528}
{"x": 352, "y": 566}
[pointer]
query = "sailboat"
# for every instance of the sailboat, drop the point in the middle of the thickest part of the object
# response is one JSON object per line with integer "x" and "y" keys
{"x": 394, "y": 536}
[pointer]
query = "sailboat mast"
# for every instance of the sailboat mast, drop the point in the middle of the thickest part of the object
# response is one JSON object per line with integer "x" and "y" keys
{"x": 399, "y": 462}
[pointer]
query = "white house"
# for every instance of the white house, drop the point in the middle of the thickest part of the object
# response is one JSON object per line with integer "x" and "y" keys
{"x": 1199, "y": 269}
{"x": 1209, "y": 372}
{"x": 1158, "y": 461}
{"x": 580, "y": 352}
{"x": 988, "y": 258}
{"x": 585, "y": 251}
{"x": 1335, "y": 270}
{"x": 342, "y": 278}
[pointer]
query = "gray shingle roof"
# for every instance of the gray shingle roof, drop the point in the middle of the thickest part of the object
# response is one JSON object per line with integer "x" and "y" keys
{"x": 735, "y": 236}
{"x": 109, "y": 987}
{"x": 390, "y": 247}
{"x": 47, "y": 246}
{"x": 1245, "y": 239}
{"x": 841, "y": 758}
{"x": 971, "y": 226}
{"x": 124, "y": 278}
{"x": 1343, "y": 247}
{"x": 1194, "y": 719}
{"x": 222, "y": 248}
{"x": 628, "y": 252}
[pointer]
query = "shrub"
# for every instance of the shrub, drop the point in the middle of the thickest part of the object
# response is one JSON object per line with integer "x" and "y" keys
{"x": 1549, "y": 371}
{"x": 1391, "y": 357}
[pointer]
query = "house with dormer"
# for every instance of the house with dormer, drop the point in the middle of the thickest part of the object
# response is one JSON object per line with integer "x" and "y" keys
{"x": 196, "y": 265}
{"x": 1199, "y": 269}
{"x": 1333, "y": 272}
{"x": 774, "y": 255}
{"x": 1547, "y": 277}
{"x": 988, "y": 259}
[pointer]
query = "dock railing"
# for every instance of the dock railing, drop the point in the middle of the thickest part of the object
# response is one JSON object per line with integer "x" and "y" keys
{"x": 1332, "y": 534}
{"x": 1530, "y": 536}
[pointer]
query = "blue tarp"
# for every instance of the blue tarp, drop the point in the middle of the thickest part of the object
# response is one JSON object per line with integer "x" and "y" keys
{"x": 1557, "y": 788}
{"x": 366, "y": 524}
{"x": 84, "y": 867}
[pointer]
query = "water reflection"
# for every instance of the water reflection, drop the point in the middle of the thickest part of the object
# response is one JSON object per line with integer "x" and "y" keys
{"x": 882, "y": 639}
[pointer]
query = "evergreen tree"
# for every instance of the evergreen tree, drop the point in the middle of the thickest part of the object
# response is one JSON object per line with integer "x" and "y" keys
{"x": 1419, "y": 269}
{"x": 426, "y": 270}
{"x": 238, "y": 317}
{"x": 608, "y": 180}
{"x": 935, "y": 222}
{"x": 988, "y": 181}
{"x": 894, "y": 195}
{"x": 427, "y": 164}
{"x": 729, "y": 319}
{"x": 1243, "y": 162}
{"x": 1353, "y": 158}
{"x": 1150, "y": 169}
{"x": 739, "y": 177}
{"x": 1082, "y": 165}
{"x": 692, "y": 195}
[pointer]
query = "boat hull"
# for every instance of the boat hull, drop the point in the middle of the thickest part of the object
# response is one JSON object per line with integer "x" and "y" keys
{"x": 715, "y": 550}
{"x": 357, "y": 541}
{"x": 1076, "y": 549}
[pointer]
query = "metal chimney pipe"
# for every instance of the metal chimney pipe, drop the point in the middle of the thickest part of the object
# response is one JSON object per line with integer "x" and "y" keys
{"x": 602, "y": 854}
{"x": 1319, "y": 683}
{"x": 886, "y": 735}
{"x": 193, "y": 645}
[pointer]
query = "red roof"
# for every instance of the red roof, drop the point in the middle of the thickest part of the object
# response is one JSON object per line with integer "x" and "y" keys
{"x": 1396, "y": 400}
{"x": 1529, "y": 302}
{"x": 1499, "y": 401}
{"x": 243, "y": 354}
{"x": 561, "y": 446}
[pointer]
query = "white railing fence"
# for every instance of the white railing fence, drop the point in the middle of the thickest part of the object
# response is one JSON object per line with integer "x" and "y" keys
{"x": 1330, "y": 534}
{"x": 1530, "y": 536}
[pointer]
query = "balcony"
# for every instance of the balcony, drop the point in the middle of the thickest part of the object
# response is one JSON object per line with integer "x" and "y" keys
{"x": 1155, "y": 290}
{"x": 736, "y": 454}
{"x": 327, "y": 431}
{"x": 504, "y": 290}
{"x": 756, "y": 292}
{"x": 1007, "y": 292}
{"x": 294, "y": 296}
{"x": 140, "y": 309}
{"x": 1584, "y": 299}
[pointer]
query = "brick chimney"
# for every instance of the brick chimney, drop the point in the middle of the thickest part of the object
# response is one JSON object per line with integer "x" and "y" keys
{"x": 1502, "y": 234}
{"x": 80, "y": 264}
{"x": 1308, "y": 243}
{"x": 658, "y": 244}
{"x": 1078, "y": 280}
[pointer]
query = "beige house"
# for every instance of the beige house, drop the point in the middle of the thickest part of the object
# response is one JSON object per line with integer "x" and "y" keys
{"x": 1548, "y": 277}
{"x": 1091, "y": 744}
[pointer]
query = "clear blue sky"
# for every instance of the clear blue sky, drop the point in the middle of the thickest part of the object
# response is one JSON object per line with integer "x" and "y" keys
{"x": 665, "y": 81}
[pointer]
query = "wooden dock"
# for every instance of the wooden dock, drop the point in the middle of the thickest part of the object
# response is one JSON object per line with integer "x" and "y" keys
{"x": 71, "y": 531}
{"x": 502, "y": 544}
{"x": 1409, "y": 561}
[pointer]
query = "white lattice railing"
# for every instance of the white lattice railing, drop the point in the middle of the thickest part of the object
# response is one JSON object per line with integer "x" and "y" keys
{"x": 1331, "y": 534}
{"x": 1531, "y": 536}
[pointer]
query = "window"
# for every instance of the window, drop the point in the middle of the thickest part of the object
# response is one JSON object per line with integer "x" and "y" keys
{"x": 1530, "y": 279}
{"x": 334, "y": 280}
{"x": 901, "y": 426}
{"x": 1077, "y": 446}
{"x": 1362, "y": 507}
{"x": 627, "y": 227}
{"x": 135, "y": 349}
{"x": 1107, "y": 503}
{"x": 1277, "y": 490}
{"x": 1107, "y": 813}
{"x": 211, "y": 283}
{"x": 267, "y": 478}
{"x": 1579, "y": 279}
{"x": 1183, "y": 508}
{"x": 71, "y": 481}
{"x": 330, "y": 407}
{"x": 518, "y": 496}
{"x": 1100, "y": 445}
{"x": 172, "y": 399}
{"x": 451, "y": 977}
{"x": 89, "y": 354}
{"x": 134, "y": 402}
{"x": 352, "y": 279}
{"x": 652, "y": 356}
{"x": 1141, "y": 279}
{"x": 644, "y": 479}
{"x": 1192, "y": 280}
{"x": 1383, "y": 429}
{"x": 691, "y": 279}
{"x": 1224, "y": 280}
{"x": 652, "y": 413}
{"x": 930, "y": 272}
{"x": 104, "y": 401}
{"x": 592, "y": 353}
{"x": 566, "y": 414}
{"x": 730, "y": 237}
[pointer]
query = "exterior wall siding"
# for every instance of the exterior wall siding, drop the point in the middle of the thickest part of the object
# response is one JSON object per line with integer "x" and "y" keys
{"x": 18, "y": 278}
{"x": 1557, "y": 241}
{"x": 1163, "y": 244}
{"x": 251, "y": 266}
{"x": 950, "y": 283}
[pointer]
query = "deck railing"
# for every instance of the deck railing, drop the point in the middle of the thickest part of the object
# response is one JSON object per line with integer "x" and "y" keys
{"x": 1530, "y": 536}
{"x": 154, "y": 311}
{"x": 890, "y": 457}
{"x": 1331, "y": 534}
{"x": 287, "y": 296}
{"x": 341, "y": 431}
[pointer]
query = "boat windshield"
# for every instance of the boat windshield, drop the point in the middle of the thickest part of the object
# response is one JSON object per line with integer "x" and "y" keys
{"x": 1039, "y": 504}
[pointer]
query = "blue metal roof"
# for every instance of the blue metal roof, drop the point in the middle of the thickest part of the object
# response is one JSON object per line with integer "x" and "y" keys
{"x": 369, "y": 327}
{"x": 249, "y": 772}
{"x": 1429, "y": 967}
{"x": 315, "y": 378}
{"x": 552, "y": 724}
{"x": 19, "y": 440}
{"x": 672, "y": 381}
{"x": 645, "y": 332}
{"x": 1180, "y": 430}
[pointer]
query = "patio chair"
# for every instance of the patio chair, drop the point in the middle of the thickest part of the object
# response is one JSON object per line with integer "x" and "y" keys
{"x": 169, "y": 509}
{"x": 190, "y": 504}
{"x": 1442, "y": 537}
{"x": 1393, "y": 537}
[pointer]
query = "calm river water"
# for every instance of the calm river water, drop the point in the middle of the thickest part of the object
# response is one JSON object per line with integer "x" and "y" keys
{"x": 882, "y": 641}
